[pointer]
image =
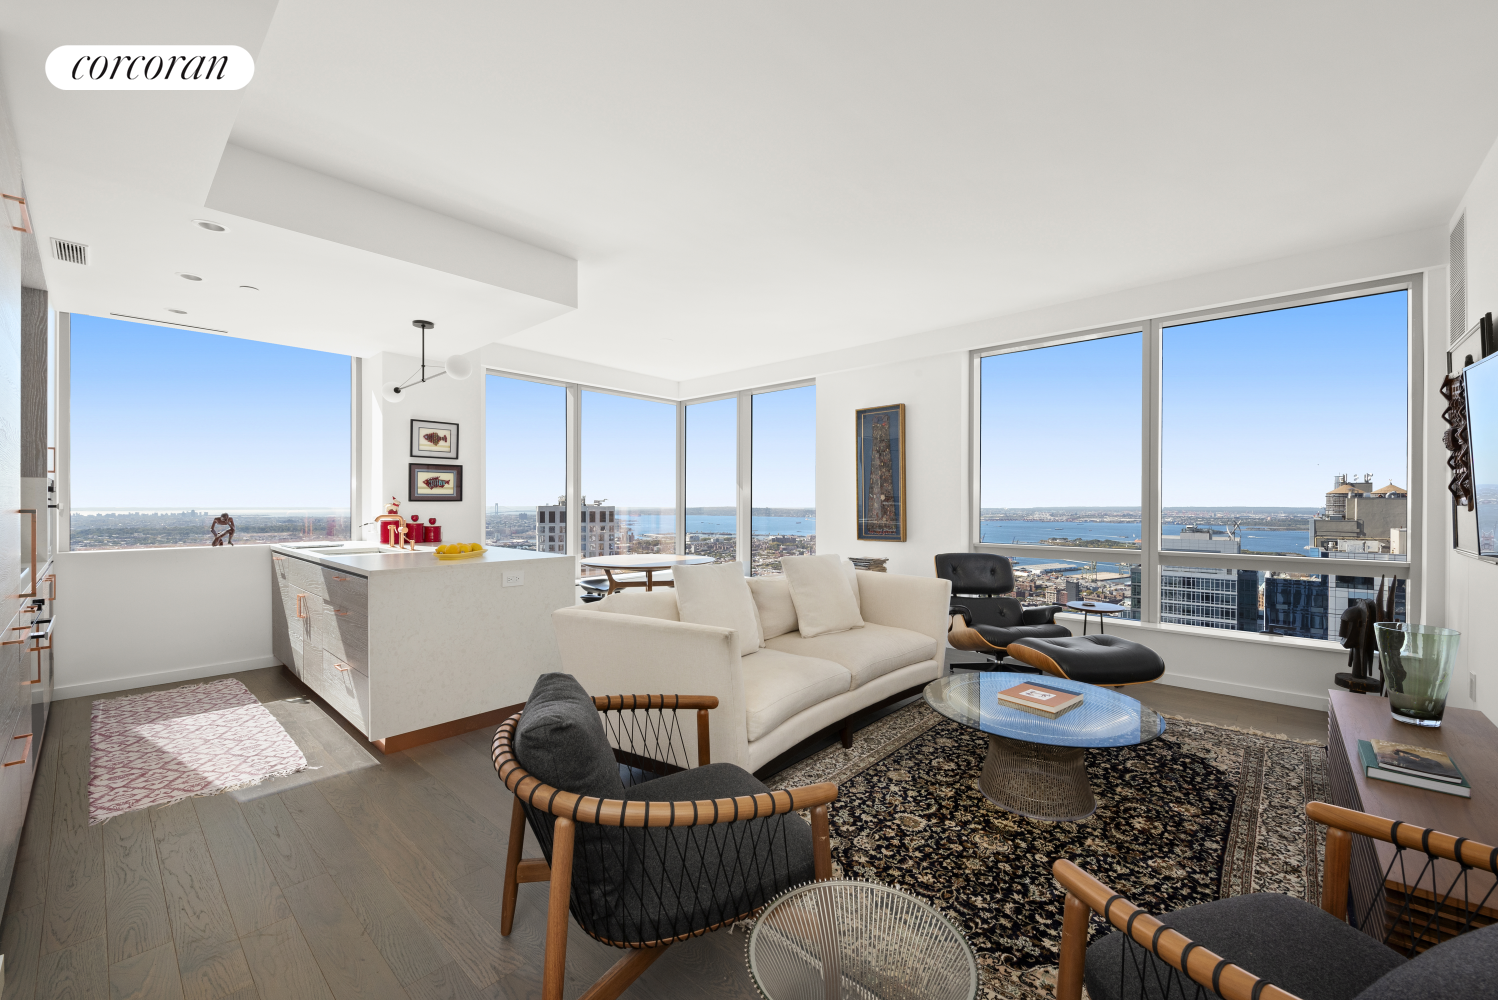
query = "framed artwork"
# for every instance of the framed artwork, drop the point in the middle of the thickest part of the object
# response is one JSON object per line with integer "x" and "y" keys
{"x": 436, "y": 482}
{"x": 881, "y": 472}
{"x": 434, "y": 439}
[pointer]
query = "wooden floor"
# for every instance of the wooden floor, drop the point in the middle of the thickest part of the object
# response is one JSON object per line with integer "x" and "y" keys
{"x": 365, "y": 877}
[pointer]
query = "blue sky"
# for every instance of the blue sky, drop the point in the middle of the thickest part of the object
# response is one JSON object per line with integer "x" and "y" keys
{"x": 179, "y": 419}
{"x": 1259, "y": 410}
{"x": 629, "y": 448}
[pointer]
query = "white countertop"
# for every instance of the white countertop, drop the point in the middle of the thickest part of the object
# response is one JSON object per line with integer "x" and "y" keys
{"x": 370, "y": 557}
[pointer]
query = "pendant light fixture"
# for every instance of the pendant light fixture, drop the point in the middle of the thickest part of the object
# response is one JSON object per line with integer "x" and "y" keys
{"x": 457, "y": 366}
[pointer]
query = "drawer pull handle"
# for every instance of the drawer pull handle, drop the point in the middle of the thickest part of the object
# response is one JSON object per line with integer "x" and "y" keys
{"x": 341, "y": 666}
{"x": 25, "y": 751}
{"x": 339, "y": 611}
{"x": 340, "y": 578}
{"x": 51, "y": 580}
{"x": 300, "y": 612}
{"x": 14, "y": 642}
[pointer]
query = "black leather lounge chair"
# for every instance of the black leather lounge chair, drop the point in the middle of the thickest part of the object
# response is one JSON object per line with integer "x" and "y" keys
{"x": 991, "y": 620}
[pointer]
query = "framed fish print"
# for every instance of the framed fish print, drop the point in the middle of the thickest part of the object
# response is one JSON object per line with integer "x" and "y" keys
{"x": 436, "y": 482}
{"x": 881, "y": 472}
{"x": 434, "y": 439}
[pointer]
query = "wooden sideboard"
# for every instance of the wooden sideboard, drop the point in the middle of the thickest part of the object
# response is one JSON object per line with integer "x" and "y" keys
{"x": 1472, "y": 741}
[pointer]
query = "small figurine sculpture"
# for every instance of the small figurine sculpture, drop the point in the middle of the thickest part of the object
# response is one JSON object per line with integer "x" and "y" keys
{"x": 1358, "y": 637}
{"x": 219, "y": 538}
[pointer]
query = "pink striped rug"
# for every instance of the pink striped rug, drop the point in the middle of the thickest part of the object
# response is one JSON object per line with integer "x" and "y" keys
{"x": 150, "y": 749}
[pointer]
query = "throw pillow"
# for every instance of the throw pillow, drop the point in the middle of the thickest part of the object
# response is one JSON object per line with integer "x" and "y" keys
{"x": 561, "y": 740}
{"x": 772, "y": 596}
{"x": 719, "y": 595}
{"x": 822, "y": 594}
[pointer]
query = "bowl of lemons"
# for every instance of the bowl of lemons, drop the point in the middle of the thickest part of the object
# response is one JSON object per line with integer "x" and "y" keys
{"x": 460, "y": 550}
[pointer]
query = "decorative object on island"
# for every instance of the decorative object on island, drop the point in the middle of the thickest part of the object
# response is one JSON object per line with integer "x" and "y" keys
{"x": 460, "y": 550}
{"x": 1417, "y": 662}
{"x": 434, "y": 532}
{"x": 416, "y": 531}
{"x": 880, "y": 474}
{"x": 869, "y": 564}
{"x": 434, "y": 439}
{"x": 456, "y": 366}
{"x": 436, "y": 482}
{"x": 1356, "y": 632}
{"x": 393, "y": 529}
{"x": 225, "y": 536}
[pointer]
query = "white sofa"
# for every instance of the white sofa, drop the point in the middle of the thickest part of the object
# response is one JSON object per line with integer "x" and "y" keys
{"x": 791, "y": 688}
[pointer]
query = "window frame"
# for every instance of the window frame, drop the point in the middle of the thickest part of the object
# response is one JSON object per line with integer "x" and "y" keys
{"x": 1150, "y": 556}
{"x": 744, "y": 463}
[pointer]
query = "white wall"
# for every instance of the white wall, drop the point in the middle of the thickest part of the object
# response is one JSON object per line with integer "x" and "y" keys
{"x": 149, "y": 616}
{"x": 387, "y": 427}
{"x": 934, "y": 391}
{"x": 1472, "y": 585}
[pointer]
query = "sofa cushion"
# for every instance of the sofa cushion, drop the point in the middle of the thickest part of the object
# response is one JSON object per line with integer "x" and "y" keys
{"x": 772, "y": 596}
{"x": 777, "y": 685}
{"x": 645, "y": 604}
{"x": 718, "y": 594}
{"x": 866, "y": 653}
{"x": 560, "y": 740}
{"x": 1463, "y": 966}
{"x": 822, "y": 593}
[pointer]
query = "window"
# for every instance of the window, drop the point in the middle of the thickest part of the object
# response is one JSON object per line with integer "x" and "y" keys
{"x": 1284, "y": 432}
{"x": 171, "y": 428}
{"x": 1059, "y": 463}
{"x": 1278, "y": 494}
{"x": 629, "y": 472}
{"x": 783, "y": 484}
{"x": 525, "y": 464}
{"x": 712, "y": 479}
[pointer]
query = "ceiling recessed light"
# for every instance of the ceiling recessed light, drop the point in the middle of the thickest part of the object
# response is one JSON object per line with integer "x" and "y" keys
{"x": 212, "y": 227}
{"x": 179, "y": 312}
{"x": 250, "y": 288}
{"x": 189, "y": 277}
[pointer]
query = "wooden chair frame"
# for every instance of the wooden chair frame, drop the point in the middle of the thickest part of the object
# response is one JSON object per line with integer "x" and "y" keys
{"x": 571, "y": 809}
{"x": 1085, "y": 895}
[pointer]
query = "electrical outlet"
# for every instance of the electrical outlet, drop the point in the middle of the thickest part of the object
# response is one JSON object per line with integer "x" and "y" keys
{"x": 1472, "y": 685}
{"x": 514, "y": 578}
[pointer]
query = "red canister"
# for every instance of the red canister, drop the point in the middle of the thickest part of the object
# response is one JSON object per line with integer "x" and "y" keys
{"x": 434, "y": 532}
{"x": 415, "y": 531}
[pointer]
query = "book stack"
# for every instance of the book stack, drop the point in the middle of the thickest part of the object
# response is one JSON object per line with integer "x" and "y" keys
{"x": 1419, "y": 767}
{"x": 1046, "y": 702}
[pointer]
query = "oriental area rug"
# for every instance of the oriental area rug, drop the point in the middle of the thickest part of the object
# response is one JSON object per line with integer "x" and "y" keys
{"x": 1196, "y": 815}
{"x": 151, "y": 749}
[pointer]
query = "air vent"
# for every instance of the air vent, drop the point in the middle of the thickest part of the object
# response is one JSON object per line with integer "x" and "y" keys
{"x": 73, "y": 253}
{"x": 1459, "y": 279}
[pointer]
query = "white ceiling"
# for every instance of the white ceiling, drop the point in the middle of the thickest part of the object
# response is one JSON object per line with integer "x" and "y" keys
{"x": 742, "y": 183}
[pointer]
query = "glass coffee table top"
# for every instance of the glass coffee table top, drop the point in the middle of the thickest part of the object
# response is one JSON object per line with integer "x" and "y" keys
{"x": 1106, "y": 718}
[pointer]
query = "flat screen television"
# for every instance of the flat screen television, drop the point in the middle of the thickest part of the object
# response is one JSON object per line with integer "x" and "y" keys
{"x": 1482, "y": 423}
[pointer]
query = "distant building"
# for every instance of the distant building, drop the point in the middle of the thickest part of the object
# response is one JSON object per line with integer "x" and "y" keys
{"x": 1204, "y": 595}
{"x": 1361, "y": 520}
{"x": 1296, "y": 606}
{"x": 601, "y": 534}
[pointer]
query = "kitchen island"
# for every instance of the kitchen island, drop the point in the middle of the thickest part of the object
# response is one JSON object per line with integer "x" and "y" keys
{"x": 412, "y": 649}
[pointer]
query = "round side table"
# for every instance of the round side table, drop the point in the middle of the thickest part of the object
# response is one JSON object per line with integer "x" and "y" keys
{"x": 1099, "y": 608}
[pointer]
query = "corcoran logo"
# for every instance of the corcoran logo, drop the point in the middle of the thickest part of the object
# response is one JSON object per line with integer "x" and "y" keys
{"x": 149, "y": 67}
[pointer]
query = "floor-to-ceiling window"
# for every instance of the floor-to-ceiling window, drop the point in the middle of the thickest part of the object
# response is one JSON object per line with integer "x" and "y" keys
{"x": 1059, "y": 466}
{"x": 712, "y": 479}
{"x": 525, "y": 464}
{"x": 1242, "y": 469}
{"x": 174, "y": 432}
{"x": 783, "y": 486}
{"x": 1283, "y": 432}
{"x": 628, "y": 475}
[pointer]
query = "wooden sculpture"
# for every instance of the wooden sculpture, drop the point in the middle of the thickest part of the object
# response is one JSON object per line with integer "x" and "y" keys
{"x": 1361, "y": 641}
{"x": 227, "y": 535}
{"x": 1458, "y": 440}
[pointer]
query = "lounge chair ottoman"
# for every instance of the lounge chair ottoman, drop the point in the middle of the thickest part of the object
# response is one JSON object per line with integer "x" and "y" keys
{"x": 1106, "y": 660}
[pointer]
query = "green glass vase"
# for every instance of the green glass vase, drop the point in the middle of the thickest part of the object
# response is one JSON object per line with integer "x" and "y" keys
{"x": 1417, "y": 661}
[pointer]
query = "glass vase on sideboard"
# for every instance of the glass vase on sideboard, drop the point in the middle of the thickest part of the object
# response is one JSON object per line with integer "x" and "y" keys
{"x": 1417, "y": 662}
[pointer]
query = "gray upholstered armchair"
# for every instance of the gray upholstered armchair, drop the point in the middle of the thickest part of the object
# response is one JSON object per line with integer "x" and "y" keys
{"x": 982, "y": 585}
